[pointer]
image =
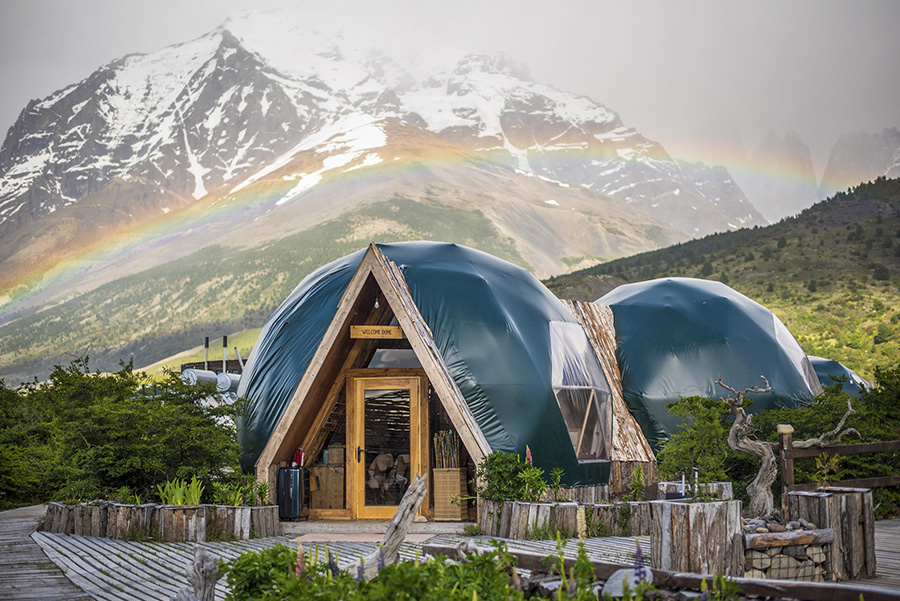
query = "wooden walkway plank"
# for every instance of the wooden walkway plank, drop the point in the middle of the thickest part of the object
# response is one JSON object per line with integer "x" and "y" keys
{"x": 25, "y": 571}
{"x": 146, "y": 576}
{"x": 112, "y": 570}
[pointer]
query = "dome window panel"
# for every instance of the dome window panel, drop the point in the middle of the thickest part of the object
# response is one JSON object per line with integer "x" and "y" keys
{"x": 581, "y": 390}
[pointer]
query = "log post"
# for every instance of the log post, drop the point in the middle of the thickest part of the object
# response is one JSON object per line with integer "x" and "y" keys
{"x": 786, "y": 444}
{"x": 703, "y": 538}
{"x": 202, "y": 573}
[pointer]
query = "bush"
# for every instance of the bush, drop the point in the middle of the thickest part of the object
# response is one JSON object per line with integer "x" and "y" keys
{"x": 504, "y": 476}
{"x": 701, "y": 441}
{"x": 274, "y": 574}
{"x": 83, "y": 436}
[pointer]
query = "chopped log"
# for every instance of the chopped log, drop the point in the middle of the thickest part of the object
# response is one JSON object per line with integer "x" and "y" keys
{"x": 389, "y": 551}
{"x": 784, "y": 539}
{"x": 703, "y": 538}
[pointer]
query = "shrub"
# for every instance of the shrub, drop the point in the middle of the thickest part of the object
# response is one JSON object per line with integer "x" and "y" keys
{"x": 701, "y": 441}
{"x": 504, "y": 476}
{"x": 275, "y": 574}
{"x": 83, "y": 436}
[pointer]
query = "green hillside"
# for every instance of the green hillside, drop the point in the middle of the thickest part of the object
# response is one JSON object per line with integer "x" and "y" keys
{"x": 831, "y": 274}
{"x": 163, "y": 311}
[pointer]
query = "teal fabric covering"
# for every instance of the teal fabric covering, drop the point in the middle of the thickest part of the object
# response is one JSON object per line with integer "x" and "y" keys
{"x": 676, "y": 336}
{"x": 490, "y": 320}
{"x": 827, "y": 370}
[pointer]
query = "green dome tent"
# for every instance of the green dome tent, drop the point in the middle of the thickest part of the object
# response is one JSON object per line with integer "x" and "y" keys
{"x": 828, "y": 370}
{"x": 677, "y": 336}
{"x": 496, "y": 329}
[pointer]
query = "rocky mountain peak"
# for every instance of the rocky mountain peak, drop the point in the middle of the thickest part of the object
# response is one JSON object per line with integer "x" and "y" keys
{"x": 860, "y": 157}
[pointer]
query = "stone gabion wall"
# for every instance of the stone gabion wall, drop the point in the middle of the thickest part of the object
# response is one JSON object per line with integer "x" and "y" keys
{"x": 793, "y": 562}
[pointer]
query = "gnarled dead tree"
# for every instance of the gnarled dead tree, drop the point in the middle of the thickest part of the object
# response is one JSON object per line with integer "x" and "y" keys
{"x": 762, "y": 502}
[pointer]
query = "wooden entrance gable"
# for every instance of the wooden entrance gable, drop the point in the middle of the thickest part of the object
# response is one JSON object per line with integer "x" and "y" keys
{"x": 308, "y": 418}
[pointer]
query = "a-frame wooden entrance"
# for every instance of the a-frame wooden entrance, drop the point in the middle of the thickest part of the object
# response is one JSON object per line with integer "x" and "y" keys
{"x": 327, "y": 397}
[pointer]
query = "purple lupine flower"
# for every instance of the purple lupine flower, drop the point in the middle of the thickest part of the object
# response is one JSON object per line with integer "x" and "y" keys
{"x": 704, "y": 596}
{"x": 380, "y": 557}
{"x": 640, "y": 569}
{"x": 361, "y": 570}
{"x": 333, "y": 565}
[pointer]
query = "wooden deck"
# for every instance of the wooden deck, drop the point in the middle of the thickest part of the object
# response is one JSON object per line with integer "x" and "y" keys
{"x": 25, "y": 571}
{"x": 105, "y": 569}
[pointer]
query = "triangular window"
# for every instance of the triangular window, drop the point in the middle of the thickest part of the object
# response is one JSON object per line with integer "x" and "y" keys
{"x": 581, "y": 390}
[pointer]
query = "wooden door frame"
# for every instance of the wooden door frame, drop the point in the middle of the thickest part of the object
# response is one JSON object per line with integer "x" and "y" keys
{"x": 365, "y": 379}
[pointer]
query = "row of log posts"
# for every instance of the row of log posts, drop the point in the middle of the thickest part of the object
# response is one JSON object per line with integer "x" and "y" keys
{"x": 521, "y": 520}
{"x": 168, "y": 523}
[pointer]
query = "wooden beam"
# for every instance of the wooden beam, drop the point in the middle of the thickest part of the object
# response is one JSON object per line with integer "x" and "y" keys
{"x": 858, "y": 483}
{"x": 397, "y": 294}
{"x": 785, "y": 539}
{"x": 847, "y": 449}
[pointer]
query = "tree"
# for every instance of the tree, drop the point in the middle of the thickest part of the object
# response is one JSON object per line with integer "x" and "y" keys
{"x": 700, "y": 441}
{"x": 762, "y": 502}
{"x": 82, "y": 435}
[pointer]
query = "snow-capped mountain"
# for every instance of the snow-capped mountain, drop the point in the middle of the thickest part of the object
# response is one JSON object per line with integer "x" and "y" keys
{"x": 860, "y": 157}
{"x": 151, "y": 134}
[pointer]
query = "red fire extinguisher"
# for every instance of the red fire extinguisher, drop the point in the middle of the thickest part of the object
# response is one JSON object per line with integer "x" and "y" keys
{"x": 298, "y": 457}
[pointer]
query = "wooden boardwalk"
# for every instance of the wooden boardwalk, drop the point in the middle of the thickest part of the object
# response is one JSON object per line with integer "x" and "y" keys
{"x": 25, "y": 571}
{"x": 105, "y": 569}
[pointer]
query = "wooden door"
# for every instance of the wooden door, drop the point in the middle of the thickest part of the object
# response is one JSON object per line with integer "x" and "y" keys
{"x": 386, "y": 442}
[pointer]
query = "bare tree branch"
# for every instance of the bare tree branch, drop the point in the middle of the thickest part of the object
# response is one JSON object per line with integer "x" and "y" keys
{"x": 826, "y": 438}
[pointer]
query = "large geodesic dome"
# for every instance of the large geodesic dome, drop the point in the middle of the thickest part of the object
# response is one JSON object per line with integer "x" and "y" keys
{"x": 677, "y": 336}
{"x": 493, "y": 324}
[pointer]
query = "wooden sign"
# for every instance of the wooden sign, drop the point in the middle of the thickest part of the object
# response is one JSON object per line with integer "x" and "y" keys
{"x": 389, "y": 332}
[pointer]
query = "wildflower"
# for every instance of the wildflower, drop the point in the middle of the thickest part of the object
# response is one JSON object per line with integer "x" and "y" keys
{"x": 300, "y": 566}
{"x": 528, "y": 455}
{"x": 380, "y": 557}
{"x": 640, "y": 569}
{"x": 361, "y": 570}
{"x": 333, "y": 565}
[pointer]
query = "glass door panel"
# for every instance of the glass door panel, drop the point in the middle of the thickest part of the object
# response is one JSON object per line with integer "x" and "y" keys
{"x": 386, "y": 424}
{"x": 385, "y": 443}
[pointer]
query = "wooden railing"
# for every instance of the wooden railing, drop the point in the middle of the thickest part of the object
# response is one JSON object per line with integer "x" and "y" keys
{"x": 789, "y": 453}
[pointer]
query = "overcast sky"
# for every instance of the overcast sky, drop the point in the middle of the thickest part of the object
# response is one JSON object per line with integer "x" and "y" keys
{"x": 685, "y": 73}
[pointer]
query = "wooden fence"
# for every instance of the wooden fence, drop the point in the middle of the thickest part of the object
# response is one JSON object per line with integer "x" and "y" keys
{"x": 789, "y": 453}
